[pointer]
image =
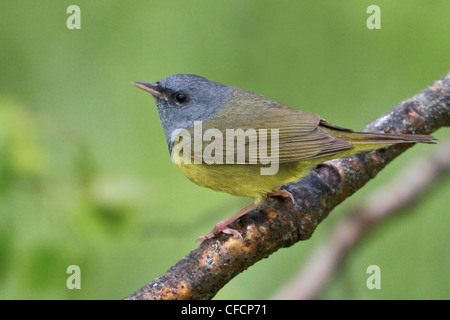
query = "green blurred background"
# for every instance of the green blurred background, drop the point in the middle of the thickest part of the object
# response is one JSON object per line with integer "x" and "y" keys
{"x": 85, "y": 175}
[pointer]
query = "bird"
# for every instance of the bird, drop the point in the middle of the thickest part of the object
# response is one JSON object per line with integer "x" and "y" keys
{"x": 199, "y": 115}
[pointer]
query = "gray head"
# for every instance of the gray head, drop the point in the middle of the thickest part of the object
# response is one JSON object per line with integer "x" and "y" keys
{"x": 184, "y": 98}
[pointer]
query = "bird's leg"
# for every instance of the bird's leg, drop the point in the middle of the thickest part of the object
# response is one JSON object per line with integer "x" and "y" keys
{"x": 221, "y": 226}
{"x": 281, "y": 193}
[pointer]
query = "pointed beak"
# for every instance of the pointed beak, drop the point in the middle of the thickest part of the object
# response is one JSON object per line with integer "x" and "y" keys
{"x": 152, "y": 88}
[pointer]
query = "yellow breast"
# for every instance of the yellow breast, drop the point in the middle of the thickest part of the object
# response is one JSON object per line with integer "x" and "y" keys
{"x": 242, "y": 180}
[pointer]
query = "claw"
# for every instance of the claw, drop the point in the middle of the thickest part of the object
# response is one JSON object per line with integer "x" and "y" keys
{"x": 221, "y": 226}
{"x": 216, "y": 230}
{"x": 281, "y": 193}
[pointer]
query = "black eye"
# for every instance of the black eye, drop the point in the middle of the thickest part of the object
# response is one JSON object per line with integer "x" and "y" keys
{"x": 181, "y": 97}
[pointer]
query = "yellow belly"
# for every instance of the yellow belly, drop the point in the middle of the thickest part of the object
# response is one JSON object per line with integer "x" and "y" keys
{"x": 243, "y": 180}
{"x": 246, "y": 180}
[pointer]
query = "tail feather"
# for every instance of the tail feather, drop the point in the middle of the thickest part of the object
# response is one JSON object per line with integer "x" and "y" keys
{"x": 369, "y": 138}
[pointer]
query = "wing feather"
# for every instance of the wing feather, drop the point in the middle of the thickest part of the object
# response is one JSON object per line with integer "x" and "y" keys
{"x": 299, "y": 137}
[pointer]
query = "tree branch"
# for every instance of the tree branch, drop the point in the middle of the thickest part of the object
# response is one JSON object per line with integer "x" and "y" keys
{"x": 400, "y": 193}
{"x": 278, "y": 224}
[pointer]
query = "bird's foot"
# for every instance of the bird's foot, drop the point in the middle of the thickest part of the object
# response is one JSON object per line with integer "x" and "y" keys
{"x": 281, "y": 193}
{"x": 221, "y": 226}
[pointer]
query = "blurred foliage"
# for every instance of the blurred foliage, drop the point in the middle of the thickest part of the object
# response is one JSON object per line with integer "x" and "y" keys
{"x": 85, "y": 176}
